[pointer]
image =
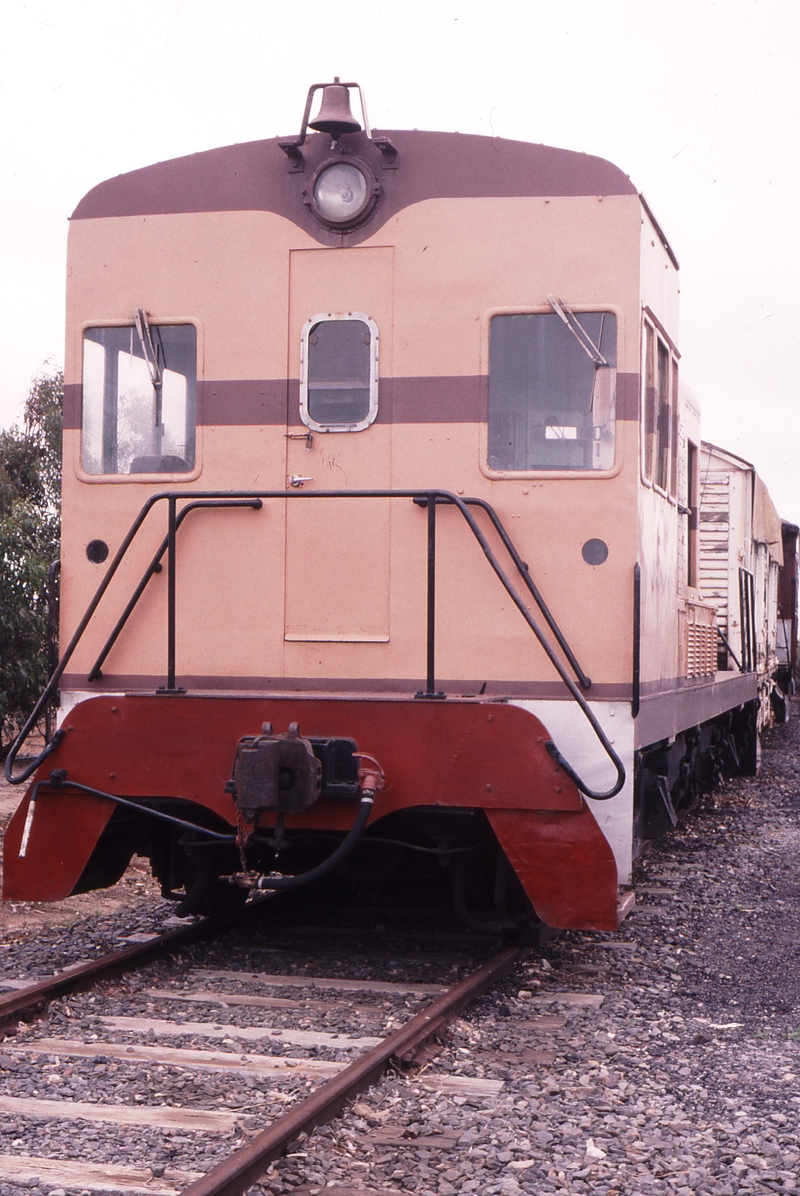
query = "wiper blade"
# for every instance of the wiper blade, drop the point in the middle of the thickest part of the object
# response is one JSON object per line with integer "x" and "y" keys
{"x": 149, "y": 350}
{"x": 578, "y": 331}
{"x": 155, "y": 370}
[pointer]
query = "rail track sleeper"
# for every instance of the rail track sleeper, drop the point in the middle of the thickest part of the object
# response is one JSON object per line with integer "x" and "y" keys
{"x": 426, "y": 1036}
{"x": 235, "y": 1174}
{"x": 25, "y": 1003}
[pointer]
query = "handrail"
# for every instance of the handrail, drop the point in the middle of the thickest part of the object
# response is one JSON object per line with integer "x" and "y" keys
{"x": 730, "y": 651}
{"x": 432, "y": 498}
{"x": 524, "y": 572}
{"x": 96, "y": 671}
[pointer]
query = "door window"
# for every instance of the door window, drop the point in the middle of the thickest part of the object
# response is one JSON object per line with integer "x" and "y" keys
{"x": 339, "y": 372}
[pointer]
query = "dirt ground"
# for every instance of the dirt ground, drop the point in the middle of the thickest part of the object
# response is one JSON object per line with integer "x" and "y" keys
{"x": 26, "y": 917}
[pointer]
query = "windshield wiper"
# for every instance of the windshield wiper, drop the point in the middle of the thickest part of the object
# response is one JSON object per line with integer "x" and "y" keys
{"x": 154, "y": 368}
{"x": 578, "y": 331}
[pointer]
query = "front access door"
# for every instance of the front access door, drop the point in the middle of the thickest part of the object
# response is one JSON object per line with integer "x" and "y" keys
{"x": 338, "y": 550}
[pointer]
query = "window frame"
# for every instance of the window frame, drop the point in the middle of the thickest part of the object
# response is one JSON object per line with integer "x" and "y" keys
{"x": 565, "y": 475}
{"x": 128, "y": 479}
{"x": 372, "y": 413}
{"x": 693, "y": 504}
{"x": 659, "y": 461}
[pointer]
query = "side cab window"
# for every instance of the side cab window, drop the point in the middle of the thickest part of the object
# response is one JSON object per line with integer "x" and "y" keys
{"x": 659, "y": 410}
{"x": 139, "y": 398}
{"x": 552, "y": 390}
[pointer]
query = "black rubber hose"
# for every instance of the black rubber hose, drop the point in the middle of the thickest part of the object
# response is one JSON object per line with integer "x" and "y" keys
{"x": 282, "y": 883}
{"x": 59, "y": 782}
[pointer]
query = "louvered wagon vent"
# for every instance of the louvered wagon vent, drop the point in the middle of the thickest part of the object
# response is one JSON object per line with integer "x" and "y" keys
{"x": 700, "y": 640}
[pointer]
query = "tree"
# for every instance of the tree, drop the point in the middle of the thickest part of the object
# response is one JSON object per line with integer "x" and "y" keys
{"x": 30, "y": 494}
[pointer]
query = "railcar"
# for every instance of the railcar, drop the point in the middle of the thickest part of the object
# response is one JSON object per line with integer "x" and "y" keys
{"x": 385, "y": 532}
{"x": 786, "y": 638}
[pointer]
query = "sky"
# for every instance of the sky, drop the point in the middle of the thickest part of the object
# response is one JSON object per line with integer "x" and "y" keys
{"x": 698, "y": 101}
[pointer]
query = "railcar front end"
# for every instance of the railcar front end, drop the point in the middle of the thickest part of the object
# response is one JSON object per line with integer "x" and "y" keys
{"x": 378, "y": 527}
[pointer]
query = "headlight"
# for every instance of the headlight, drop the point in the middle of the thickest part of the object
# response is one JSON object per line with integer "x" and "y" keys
{"x": 343, "y": 193}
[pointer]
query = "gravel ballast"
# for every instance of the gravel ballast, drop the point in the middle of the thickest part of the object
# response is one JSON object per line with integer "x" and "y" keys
{"x": 681, "y": 1075}
{"x": 665, "y": 1058}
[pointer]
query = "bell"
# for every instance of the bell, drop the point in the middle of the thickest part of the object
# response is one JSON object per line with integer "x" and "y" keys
{"x": 334, "y": 114}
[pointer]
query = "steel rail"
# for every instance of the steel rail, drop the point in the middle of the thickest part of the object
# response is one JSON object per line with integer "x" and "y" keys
{"x": 235, "y": 1174}
{"x": 27, "y": 1002}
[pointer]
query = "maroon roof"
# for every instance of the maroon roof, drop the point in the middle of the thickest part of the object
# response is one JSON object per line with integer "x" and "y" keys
{"x": 254, "y": 176}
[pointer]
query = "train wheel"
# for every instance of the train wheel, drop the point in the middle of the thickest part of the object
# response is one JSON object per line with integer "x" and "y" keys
{"x": 536, "y": 934}
{"x": 492, "y": 881}
{"x": 207, "y": 894}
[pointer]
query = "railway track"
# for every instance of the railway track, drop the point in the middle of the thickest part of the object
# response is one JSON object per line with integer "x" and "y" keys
{"x": 661, "y": 1059}
{"x": 263, "y": 1056}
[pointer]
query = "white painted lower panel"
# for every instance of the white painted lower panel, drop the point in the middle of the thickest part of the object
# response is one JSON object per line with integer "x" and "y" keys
{"x": 71, "y": 697}
{"x": 577, "y": 742}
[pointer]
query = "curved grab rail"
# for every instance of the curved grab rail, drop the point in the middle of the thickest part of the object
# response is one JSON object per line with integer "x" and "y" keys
{"x": 154, "y": 567}
{"x": 52, "y": 684}
{"x": 231, "y": 497}
{"x": 524, "y": 572}
{"x": 557, "y": 665}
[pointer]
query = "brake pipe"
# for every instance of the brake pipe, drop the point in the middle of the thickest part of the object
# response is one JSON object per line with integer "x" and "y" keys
{"x": 371, "y": 781}
{"x": 58, "y": 781}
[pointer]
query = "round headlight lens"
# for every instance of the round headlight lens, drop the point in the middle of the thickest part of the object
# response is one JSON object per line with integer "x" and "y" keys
{"x": 341, "y": 193}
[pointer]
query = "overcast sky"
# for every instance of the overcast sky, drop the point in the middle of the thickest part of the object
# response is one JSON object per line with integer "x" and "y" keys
{"x": 697, "y": 101}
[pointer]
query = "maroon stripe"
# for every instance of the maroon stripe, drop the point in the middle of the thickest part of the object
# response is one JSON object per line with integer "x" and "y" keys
{"x": 254, "y": 177}
{"x": 256, "y": 403}
{"x": 327, "y": 687}
{"x": 454, "y": 400}
{"x": 668, "y": 713}
{"x": 72, "y": 405}
{"x": 628, "y": 388}
{"x": 264, "y": 402}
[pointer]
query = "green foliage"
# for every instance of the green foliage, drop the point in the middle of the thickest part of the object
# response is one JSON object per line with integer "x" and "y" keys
{"x": 30, "y": 492}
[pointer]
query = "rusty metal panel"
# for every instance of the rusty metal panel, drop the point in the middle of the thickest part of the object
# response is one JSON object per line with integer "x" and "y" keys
{"x": 564, "y": 863}
{"x": 462, "y": 753}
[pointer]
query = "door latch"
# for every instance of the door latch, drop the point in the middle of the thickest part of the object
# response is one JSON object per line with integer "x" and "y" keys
{"x": 309, "y": 439}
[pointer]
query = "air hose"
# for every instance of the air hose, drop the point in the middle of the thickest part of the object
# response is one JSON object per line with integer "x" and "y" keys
{"x": 276, "y": 883}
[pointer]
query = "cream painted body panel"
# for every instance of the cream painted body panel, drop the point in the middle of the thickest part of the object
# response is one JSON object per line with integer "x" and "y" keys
{"x": 659, "y": 557}
{"x": 659, "y": 517}
{"x": 453, "y": 263}
{"x": 659, "y": 279}
{"x": 226, "y": 270}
